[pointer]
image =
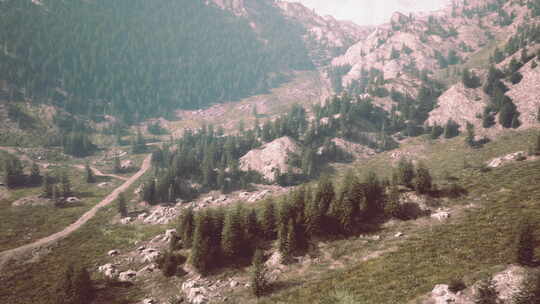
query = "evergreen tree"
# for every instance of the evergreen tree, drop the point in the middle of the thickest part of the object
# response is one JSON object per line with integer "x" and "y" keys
{"x": 66, "y": 291}
{"x": 405, "y": 172}
{"x": 536, "y": 149}
{"x": 423, "y": 180}
{"x": 35, "y": 175}
{"x": 186, "y": 227}
{"x": 117, "y": 167}
{"x": 525, "y": 246}
{"x": 90, "y": 178}
{"x": 83, "y": 286}
{"x": 139, "y": 145}
{"x": 47, "y": 190}
{"x": 469, "y": 139}
{"x": 259, "y": 280}
{"x": 314, "y": 218}
{"x": 507, "y": 113}
{"x": 345, "y": 208}
{"x": 451, "y": 129}
{"x": 66, "y": 185}
{"x": 488, "y": 120}
{"x": 268, "y": 220}
{"x": 487, "y": 294}
{"x": 232, "y": 236}
{"x": 436, "y": 131}
{"x": 200, "y": 250}
{"x": 325, "y": 194}
{"x": 122, "y": 205}
{"x": 252, "y": 230}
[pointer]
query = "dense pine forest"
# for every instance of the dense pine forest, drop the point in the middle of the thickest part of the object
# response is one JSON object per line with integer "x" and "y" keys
{"x": 135, "y": 59}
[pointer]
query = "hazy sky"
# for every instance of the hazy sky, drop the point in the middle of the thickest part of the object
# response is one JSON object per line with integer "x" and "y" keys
{"x": 371, "y": 12}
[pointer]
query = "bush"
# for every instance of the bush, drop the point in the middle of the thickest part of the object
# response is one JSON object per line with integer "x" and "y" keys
{"x": 456, "y": 285}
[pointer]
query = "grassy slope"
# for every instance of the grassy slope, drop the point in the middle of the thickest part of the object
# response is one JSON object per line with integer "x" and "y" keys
{"x": 35, "y": 282}
{"x": 474, "y": 244}
{"x": 22, "y": 225}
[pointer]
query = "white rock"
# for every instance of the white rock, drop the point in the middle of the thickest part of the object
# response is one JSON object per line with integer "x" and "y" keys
{"x": 126, "y": 220}
{"x": 169, "y": 234}
{"x": 109, "y": 270}
{"x": 399, "y": 234}
{"x": 149, "y": 301}
{"x": 127, "y": 276}
{"x": 441, "y": 216}
{"x": 233, "y": 284}
{"x": 113, "y": 252}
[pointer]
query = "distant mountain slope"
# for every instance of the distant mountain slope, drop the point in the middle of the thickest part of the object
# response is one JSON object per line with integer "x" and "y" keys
{"x": 136, "y": 59}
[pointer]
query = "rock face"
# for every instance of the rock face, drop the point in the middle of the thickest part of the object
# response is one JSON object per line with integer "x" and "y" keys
{"x": 460, "y": 104}
{"x": 499, "y": 161}
{"x": 507, "y": 284}
{"x": 270, "y": 157}
{"x": 161, "y": 215}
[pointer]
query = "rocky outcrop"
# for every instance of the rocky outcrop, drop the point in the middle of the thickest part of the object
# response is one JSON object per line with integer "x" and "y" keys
{"x": 460, "y": 104}
{"x": 270, "y": 157}
{"x": 161, "y": 215}
{"x": 507, "y": 283}
{"x": 512, "y": 157}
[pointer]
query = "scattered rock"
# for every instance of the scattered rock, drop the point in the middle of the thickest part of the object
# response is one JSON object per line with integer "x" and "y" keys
{"x": 72, "y": 200}
{"x": 126, "y": 220}
{"x": 150, "y": 255}
{"x": 399, "y": 234}
{"x": 127, "y": 276}
{"x": 149, "y": 301}
{"x": 169, "y": 234}
{"x": 442, "y": 295}
{"x": 499, "y": 161}
{"x": 233, "y": 284}
{"x": 148, "y": 268}
{"x": 113, "y": 252}
{"x": 161, "y": 215}
{"x": 104, "y": 185}
{"x": 141, "y": 216}
{"x": 441, "y": 216}
{"x": 109, "y": 270}
{"x": 258, "y": 196}
{"x": 31, "y": 201}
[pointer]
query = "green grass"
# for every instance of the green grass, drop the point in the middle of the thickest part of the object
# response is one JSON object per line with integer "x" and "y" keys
{"x": 36, "y": 282}
{"x": 469, "y": 248}
{"x": 24, "y": 224}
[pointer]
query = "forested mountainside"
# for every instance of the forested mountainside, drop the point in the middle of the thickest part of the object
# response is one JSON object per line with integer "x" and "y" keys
{"x": 136, "y": 59}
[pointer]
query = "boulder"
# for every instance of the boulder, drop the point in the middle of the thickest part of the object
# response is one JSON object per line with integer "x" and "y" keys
{"x": 109, "y": 270}
{"x": 149, "y": 301}
{"x": 270, "y": 157}
{"x": 233, "y": 284}
{"x": 399, "y": 234}
{"x": 113, "y": 252}
{"x": 442, "y": 295}
{"x": 150, "y": 255}
{"x": 441, "y": 216}
{"x": 169, "y": 234}
{"x": 127, "y": 276}
{"x": 72, "y": 200}
{"x": 126, "y": 220}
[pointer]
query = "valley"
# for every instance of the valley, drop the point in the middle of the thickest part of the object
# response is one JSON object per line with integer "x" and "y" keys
{"x": 252, "y": 151}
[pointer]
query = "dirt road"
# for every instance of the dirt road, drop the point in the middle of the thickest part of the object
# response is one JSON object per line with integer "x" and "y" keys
{"x": 99, "y": 173}
{"x": 8, "y": 255}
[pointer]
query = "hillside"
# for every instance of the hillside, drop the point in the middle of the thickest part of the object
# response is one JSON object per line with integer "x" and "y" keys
{"x": 252, "y": 151}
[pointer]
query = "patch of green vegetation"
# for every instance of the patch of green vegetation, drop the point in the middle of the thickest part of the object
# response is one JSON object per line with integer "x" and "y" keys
{"x": 23, "y": 224}
{"x": 467, "y": 248}
{"x": 86, "y": 247}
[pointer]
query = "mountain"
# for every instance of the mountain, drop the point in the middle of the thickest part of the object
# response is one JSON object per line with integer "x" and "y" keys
{"x": 138, "y": 59}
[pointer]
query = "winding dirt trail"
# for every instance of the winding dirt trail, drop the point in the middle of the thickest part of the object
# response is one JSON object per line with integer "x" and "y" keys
{"x": 99, "y": 173}
{"x": 8, "y": 255}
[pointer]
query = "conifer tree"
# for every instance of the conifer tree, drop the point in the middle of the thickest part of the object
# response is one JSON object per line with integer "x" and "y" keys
{"x": 35, "y": 175}
{"x": 47, "y": 190}
{"x": 268, "y": 220}
{"x": 469, "y": 139}
{"x": 405, "y": 172}
{"x": 117, "y": 167}
{"x": 325, "y": 194}
{"x": 252, "y": 230}
{"x": 186, "y": 227}
{"x": 423, "y": 180}
{"x": 122, "y": 205}
{"x": 259, "y": 280}
{"x": 314, "y": 218}
{"x": 536, "y": 149}
{"x": 232, "y": 236}
{"x": 90, "y": 178}
{"x": 525, "y": 246}
{"x": 66, "y": 185}
{"x": 66, "y": 291}
{"x": 83, "y": 286}
{"x": 200, "y": 249}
